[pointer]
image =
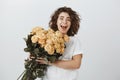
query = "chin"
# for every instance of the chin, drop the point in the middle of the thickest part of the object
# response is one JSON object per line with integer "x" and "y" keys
{"x": 63, "y": 32}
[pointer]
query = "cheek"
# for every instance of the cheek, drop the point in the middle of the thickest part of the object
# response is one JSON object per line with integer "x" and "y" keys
{"x": 69, "y": 26}
{"x": 59, "y": 27}
{"x": 58, "y": 23}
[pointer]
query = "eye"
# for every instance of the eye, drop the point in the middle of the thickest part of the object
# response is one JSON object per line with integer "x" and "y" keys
{"x": 61, "y": 18}
{"x": 68, "y": 19}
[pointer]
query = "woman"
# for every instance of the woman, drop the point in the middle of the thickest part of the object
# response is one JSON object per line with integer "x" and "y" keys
{"x": 66, "y": 21}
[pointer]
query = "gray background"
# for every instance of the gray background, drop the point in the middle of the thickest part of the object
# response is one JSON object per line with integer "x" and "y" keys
{"x": 99, "y": 35}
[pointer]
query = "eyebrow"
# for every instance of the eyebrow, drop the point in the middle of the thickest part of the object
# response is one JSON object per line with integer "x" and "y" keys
{"x": 63, "y": 16}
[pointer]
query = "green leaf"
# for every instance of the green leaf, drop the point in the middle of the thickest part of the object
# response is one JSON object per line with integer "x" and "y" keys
{"x": 34, "y": 45}
{"x": 52, "y": 58}
{"x": 36, "y": 51}
{"x": 27, "y": 49}
{"x": 40, "y": 73}
{"x": 34, "y": 75}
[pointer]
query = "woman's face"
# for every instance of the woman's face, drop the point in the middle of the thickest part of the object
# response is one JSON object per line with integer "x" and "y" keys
{"x": 63, "y": 22}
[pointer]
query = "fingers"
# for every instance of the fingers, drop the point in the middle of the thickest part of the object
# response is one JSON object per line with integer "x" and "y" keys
{"x": 31, "y": 57}
{"x": 39, "y": 59}
{"x": 42, "y": 61}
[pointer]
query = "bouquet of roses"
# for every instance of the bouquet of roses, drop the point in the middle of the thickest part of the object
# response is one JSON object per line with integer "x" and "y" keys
{"x": 46, "y": 44}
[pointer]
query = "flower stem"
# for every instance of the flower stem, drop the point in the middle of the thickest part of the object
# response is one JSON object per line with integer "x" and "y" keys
{"x": 21, "y": 74}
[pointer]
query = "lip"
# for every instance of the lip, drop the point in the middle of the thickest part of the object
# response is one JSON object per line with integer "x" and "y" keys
{"x": 63, "y": 27}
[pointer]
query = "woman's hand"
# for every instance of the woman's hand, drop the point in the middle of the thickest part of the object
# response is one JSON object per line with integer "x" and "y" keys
{"x": 43, "y": 61}
{"x": 40, "y": 60}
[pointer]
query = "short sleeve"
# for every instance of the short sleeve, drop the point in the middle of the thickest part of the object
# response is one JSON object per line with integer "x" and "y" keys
{"x": 77, "y": 47}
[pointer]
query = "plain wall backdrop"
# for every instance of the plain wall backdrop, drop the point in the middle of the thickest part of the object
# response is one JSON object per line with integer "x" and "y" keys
{"x": 99, "y": 35}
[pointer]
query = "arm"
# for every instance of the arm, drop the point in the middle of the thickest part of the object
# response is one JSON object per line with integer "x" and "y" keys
{"x": 69, "y": 64}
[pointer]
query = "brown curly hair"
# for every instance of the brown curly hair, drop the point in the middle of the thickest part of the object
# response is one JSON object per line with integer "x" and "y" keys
{"x": 75, "y": 20}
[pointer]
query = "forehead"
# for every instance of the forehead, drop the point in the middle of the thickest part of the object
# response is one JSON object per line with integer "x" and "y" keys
{"x": 64, "y": 14}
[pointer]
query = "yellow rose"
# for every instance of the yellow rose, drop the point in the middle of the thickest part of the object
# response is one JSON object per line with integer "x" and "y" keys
{"x": 55, "y": 39}
{"x": 34, "y": 39}
{"x": 49, "y": 41}
{"x": 44, "y": 31}
{"x": 41, "y": 35}
{"x": 66, "y": 38}
{"x": 62, "y": 50}
{"x": 41, "y": 31}
{"x": 58, "y": 50}
{"x": 58, "y": 34}
{"x": 57, "y": 46}
{"x": 36, "y": 29}
{"x": 49, "y": 48}
{"x": 61, "y": 40}
{"x": 62, "y": 45}
{"x": 50, "y": 35}
{"x": 41, "y": 41}
{"x": 51, "y": 30}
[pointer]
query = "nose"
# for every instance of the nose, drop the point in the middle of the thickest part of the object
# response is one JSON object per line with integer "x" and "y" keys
{"x": 64, "y": 21}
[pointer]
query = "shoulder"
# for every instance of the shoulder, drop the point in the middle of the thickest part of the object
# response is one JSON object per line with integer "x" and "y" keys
{"x": 77, "y": 45}
{"x": 75, "y": 39}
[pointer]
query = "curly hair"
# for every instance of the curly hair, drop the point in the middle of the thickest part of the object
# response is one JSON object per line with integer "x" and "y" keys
{"x": 75, "y": 20}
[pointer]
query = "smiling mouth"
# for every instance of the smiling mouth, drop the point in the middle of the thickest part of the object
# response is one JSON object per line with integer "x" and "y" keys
{"x": 63, "y": 27}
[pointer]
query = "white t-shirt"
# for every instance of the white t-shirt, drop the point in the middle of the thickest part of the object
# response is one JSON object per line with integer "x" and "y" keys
{"x": 56, "y": 73}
